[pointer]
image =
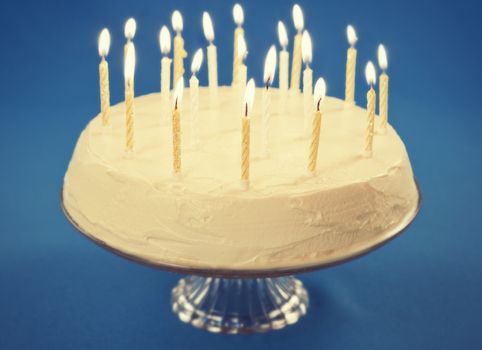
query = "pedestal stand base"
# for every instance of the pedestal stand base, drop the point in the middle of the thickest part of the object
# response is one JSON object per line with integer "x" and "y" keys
{"x": 239, "y": 305}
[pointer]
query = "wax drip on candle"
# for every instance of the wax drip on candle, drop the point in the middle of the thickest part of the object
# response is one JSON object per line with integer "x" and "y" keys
{"x": 104, "y": 45}
{"x": 350, "y": 67}
{"x": 371, "y": 78}
{"x": 383, "y": 106}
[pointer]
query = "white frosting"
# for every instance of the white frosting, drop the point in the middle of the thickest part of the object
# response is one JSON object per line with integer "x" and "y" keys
{"x": 205, "y": 219}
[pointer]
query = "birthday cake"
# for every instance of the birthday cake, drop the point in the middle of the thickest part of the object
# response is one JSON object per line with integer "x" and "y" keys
{"x": 204, "y": 218}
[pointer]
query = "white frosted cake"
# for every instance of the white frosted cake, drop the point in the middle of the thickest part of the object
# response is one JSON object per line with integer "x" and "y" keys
{"x": 204, "y": 219}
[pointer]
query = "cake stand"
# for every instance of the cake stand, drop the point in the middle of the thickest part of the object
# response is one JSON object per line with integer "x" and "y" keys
{"x": 246, "y": 301}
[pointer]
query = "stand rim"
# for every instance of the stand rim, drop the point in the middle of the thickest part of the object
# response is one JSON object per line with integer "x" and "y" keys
{"x": 241, "y": 273}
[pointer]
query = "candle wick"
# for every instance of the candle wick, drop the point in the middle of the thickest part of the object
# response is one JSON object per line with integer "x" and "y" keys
{"x": 175, "y": 105}
{"x": 318, "y": 105}
{"x": 245, "y": 109}
{"x": 267, "y": 83}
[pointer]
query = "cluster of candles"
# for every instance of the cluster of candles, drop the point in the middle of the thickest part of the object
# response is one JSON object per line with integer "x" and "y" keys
{"x": 302, "y": 53}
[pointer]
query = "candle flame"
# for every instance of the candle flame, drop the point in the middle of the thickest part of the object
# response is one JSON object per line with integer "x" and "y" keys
{"x": 249, "y": 96}
{"x": 208, "y": 27}
{"x": 270, "y": 66}
{"x": 282, "y": 35}
{"x": 238, "y": 14}
{"x": 382, "y": 57}
{"x": 165, "y": 40}
{"x": 242, "y": 48}
{"x": 178, "y": 92}
{"x": 176, "y": 20}
{"x": 130, "y": 28}
{"x": 104, "y": 42}
{"x": 351, "y": 35}
{"x": 130, "y": 63}
{"x": 319, "y": 93}
{"x": 306, "y": 47}
{"x": 298, "y": 19}
{"x": 370, "y": 73}
{"x": 197, "y": 61}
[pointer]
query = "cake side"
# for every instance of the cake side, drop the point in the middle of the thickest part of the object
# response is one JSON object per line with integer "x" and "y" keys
{"x": 205, "y": 219}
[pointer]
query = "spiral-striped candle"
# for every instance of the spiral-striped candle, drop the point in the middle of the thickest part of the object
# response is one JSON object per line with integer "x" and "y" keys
{"x": 350, "y": 75}
{"x": 245, "y": 143}
{"x": 104, "y": 91}
{"x": 176, "y": 140}
{"x": 239, "y": 31}
{"x": 371, "y": 102}
{"x": 383, "y": 101}
{"x": 315, "y": 141}
{"x": 129, "y": 96}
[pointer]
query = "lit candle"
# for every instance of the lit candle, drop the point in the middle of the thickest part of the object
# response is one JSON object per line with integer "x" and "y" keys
{"x": 383, "y": 108}
{"x": 179, "y": 52}
{"x": 238, "y": 15}
{"x": 194, "y": 94}
{"x": 350, "y": 67}
{"x": 104, "y": 45}
{"x": 165, "y": 43}
{"x": 371, "y": 78}
{"x": 306, "y": 49}
{"x": 212, "y": 54}
{"x": 242, "y": 69}
{"x": 296, "y": 65}
{"x": 284, "y": 57}
{"x": 318, "y": 97}
{"x": 268, "y": 77}
{"x": 245, "y": 134}
{"x": 129, "y": 32}
{"x": 129, "y": 67}
{"x": 176, "y": 128}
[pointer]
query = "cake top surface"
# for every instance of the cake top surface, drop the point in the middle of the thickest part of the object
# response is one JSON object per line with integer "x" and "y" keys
{"x": 213, "y": 165}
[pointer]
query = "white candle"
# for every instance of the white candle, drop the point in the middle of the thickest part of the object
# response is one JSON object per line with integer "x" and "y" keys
{"x": 104, "y": 45}
{"x": 296, "y": 65}
{"x": 165, "y": 43}
{"x": 307, "y": 51}
{"x": 284, "y": 57}
{"x": 245, "y": 133}
{"x": 129, "y": 67}
{"x": 179, "y": 52}
{"x": 269, "y": 73}
{"x": 350, "y": 67}
{"x": 194, "y": 94}
{"x": 212, "y": 54}
{"x": 238, "y": 16}
{"x": 383, "y": 88}
{"x": 371, "y": 78}
{"x": 242, "y": 69}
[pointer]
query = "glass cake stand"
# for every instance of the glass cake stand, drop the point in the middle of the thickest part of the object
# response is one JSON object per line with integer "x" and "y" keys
{"x": 245, "y": 301}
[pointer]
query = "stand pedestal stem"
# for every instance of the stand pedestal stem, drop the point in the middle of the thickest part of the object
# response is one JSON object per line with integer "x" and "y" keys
{"x": 239, "y": 305}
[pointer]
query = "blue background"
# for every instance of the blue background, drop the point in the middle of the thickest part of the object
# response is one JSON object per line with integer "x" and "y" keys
{"x": 59, "y": 291}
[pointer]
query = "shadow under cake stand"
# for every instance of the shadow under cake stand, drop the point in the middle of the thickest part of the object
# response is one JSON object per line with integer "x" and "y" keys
{"x": 247, "y": 301}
